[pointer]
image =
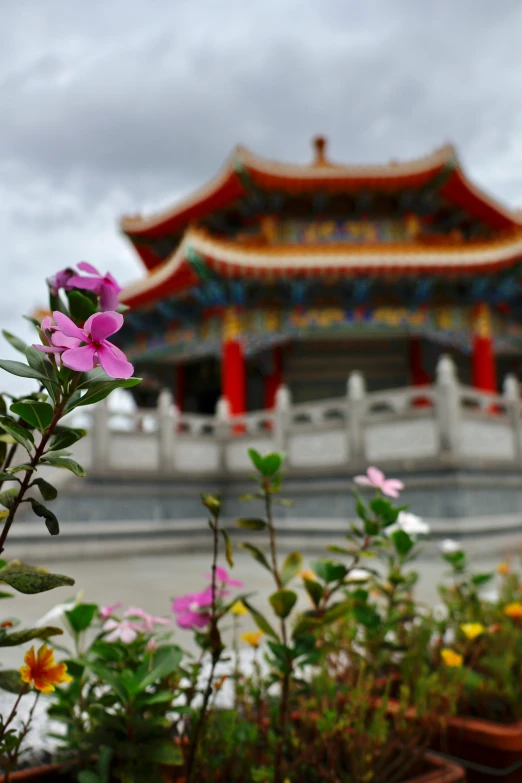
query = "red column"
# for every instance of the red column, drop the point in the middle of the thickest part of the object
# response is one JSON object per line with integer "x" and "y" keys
{"x": 274, "y": 379}
{"x": 483, "y": 359}
{"x": 180, "y": 386}
{"x": 233, "y": 376}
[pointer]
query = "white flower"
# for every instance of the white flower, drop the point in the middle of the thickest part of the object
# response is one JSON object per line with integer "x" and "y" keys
{"x": 440, "y": 612}
{"x": 56, "y": 615}
{"x": 358, "y": 575}
{"x": 448, "y": 546}
{"x": 410, "y": 523}
{"x": 491, "y": 596}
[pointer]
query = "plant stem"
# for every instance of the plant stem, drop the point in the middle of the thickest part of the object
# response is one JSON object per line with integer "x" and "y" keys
{"x": 287, "y": 672}
{"x": 12, "y": 759}
{"x": 216, "y": 654}
{"x": 35, "y": 459}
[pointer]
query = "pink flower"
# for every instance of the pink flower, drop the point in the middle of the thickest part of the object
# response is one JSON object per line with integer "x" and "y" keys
{"x": 148, "y": 620}
{"x": 106, "y": 287}
{"x": 97, "y": 349}
{"x": 188, "y": 607}
{"x": 376, "y": 478}
{"x": 152, "y": 646}
{"x": 56, "y": 341}
{"x": 108, "y": 610}
{"x": 223, "y": 577}
{"x": 124, "y": 630}
{"x": 61, "y": 280}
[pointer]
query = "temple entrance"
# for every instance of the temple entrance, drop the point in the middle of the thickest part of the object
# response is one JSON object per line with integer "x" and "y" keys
{"x": 203, "y": 386}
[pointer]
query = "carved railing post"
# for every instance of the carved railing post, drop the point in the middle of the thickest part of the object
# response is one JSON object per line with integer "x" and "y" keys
{"x": 222, "y": 420}
{"x": 100, "y": 436}
{"x": 511, "y": 391}
{"x": 448, "y": 406}
{"x": 356, "y": 392}
{"x": 283, "y": 402}
{"x": 166, "y": 423}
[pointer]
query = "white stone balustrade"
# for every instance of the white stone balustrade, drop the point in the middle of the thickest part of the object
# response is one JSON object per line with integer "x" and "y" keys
{"x": 440, "y": 424}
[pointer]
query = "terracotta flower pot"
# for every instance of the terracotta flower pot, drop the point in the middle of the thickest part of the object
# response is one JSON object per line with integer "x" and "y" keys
{"x": 438, "y": 771}
{"x": 489, "y": 751}
{"x": 47, "y": 773}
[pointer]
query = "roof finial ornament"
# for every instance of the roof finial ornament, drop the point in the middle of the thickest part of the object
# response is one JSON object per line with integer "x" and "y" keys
{"x": 320, "y": 143}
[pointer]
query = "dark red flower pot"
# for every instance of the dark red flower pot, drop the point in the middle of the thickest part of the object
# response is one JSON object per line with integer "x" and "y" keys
{"x": 47, "y": 773}
{"x": 489, "y": 748}
{"x": 438, "y": 771}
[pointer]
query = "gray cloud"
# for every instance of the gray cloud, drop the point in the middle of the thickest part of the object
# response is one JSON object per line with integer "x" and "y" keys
{"x": 121, "y": 106}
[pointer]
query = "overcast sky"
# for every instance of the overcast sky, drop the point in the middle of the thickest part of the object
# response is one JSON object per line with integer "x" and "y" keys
{"x": 117, "y": 106}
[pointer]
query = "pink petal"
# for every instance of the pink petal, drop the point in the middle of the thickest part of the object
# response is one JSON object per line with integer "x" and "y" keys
{"x": 114, "y": 636}
{"x": 235, "y": 583}
{"x": 117, "y": 352}
{"x": 62, "y": 341}
{"x": 109, "y": 625}
{"x": 363, "y": 481}
{"x": 376, "y": 477}
{"x": 116, "y": 368}
{"x": 102, "y": 325}
{"x": 128, "y": 633}
{"x": 88, "y": 283}
{"x": 47, "y": 349}
{"x": 182, "y": 603}
{"x": 221, "y": 574}
{"x": 108, "y": 296}
{"x": 394, "y": 484}
{"x": 106, "y": 611}
{"x": 193, "y": 620}
{"x": 46, "y": 323}
{"x": 79, "y": 359}
{"x": 67, "y": 326}
{"x": 86, "y": 267}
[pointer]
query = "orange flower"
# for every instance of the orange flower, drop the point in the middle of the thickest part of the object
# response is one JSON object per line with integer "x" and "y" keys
{"x": 220, "y": 682}
{"x": 514, "y": 610}
{"x": 503, "y": 569}
{"x": 42, "y": 671}
{"x": 307, "y": 573}
{"x": 7, "y": 624}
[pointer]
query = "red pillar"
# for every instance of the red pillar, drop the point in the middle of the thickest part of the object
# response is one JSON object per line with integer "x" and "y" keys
{"x": 180, "y": 386}
{"x": 233, "y": 376}
{"x": 483, "y": 360}
{"x": 274, "y": 379}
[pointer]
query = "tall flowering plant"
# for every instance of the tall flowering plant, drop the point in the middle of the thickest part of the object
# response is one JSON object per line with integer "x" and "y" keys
{"x": 74, "y": 364}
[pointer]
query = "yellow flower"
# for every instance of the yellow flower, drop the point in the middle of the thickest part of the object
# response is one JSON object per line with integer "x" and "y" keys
{"x": 472, "y": 630}
{"x": 451, "y": 658}
{"x": 253, "y": 638}
{"x": 514, "y": 610}
{"x": 42, "y": 671}
{"x": 238, "y": 608}
{"x": 307, "y": 573}
{"x": 503, "y": 569}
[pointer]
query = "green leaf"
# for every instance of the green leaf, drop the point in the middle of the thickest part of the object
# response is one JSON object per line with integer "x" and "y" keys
{"x": 40, "y": 363}
{"x": 252, "y": 524}
{"x": 271, "y": 464}
{"x": 337, "y": 611}
{"x": 328, "y": 571}
{"x": 257, "y": 459}
{"x": 80, "y": 306}
{"x": 282, "y": 602}
{"x": 65, "y": 436}
{"x": 37, "y": 414}
{"x": 367, "y": 615}
{"x": 257, "y": 554}
{"x": 110, "y": 677}
{"x": 261, "y": 622}
{"x": 402, "y": 541}
{"x": 29, "y": 581}
{"x": 86, "y": 776}
{"x": 19, "y": 433}
{"x": 81, "y": 616}
{"x": 314, "y": 590}
{"x": 228, "y": 548}
{"x": 98, "y": 390}
{"x": 21, "y": 370}
{"x": 21, "y": 637}
{"x": 166, "y": 753}
{"x": 15, "y": 341}
{"x": 11, "y": 681}
{"x": 17, "y": 468}
{"x": 291, "y": 566}
{"x": 51, "y": 522}
{"x": 7, "y": 497}
{"x": 51, "y": 458}
{"x": 481, "y": 579}
{"x": 168, "y": 665}
{"x": 47, "y": 490}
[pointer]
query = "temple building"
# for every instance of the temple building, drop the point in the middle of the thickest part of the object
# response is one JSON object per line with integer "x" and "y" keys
{"x": 298, "y": 274}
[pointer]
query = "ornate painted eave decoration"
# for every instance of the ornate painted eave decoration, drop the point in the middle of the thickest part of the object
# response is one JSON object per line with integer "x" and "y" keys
{"x": 245, "y": 171}
{"x": 200, "y": 256}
